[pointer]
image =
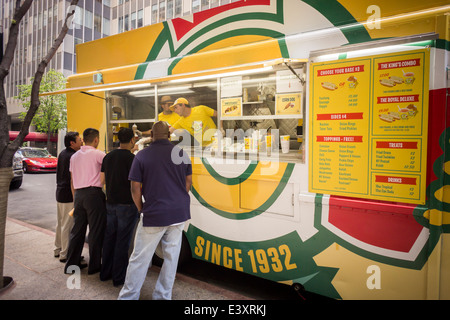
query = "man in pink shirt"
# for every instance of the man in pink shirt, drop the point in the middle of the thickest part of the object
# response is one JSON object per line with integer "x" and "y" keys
{"x": 89, "y": 204}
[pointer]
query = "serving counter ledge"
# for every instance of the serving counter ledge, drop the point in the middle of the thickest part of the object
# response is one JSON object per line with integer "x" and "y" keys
{"x": 293, "y": 156}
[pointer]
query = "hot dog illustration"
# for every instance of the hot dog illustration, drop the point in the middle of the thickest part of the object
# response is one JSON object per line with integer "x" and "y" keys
{"x": 386, "y": 117}
{"x": 230, "y": 109}
{"x": 387, "y": 82}
{"x": 329, "y": 86}
{"x": 394, "y": 115}
{"x": 397, "y": 80}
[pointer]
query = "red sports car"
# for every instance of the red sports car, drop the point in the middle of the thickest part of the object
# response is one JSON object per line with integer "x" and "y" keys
{"x": 37, "y": 160}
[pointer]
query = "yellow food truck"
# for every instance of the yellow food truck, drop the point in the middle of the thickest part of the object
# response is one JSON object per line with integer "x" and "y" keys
{"x": 329, "y": 169}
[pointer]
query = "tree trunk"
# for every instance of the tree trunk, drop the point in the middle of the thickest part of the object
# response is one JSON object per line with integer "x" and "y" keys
{"x": 7, "y": 148}
{"x": 6, "y": 175}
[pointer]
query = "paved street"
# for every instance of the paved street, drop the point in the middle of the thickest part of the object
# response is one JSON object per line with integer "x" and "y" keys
{"x": 34, "y": 202}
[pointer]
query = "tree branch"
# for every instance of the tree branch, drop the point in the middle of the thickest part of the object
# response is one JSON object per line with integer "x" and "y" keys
{"x": 5, "y": 65}
{"x": 34, "y": 99}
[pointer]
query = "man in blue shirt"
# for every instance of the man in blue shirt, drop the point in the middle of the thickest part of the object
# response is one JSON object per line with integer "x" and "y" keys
{"x": 162, "y": 175}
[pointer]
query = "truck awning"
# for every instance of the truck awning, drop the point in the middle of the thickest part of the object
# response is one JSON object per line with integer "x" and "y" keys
{"x": 213, "y": 73}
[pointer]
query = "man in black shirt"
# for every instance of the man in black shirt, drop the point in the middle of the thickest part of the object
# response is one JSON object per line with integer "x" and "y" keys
{"x": 122, "y": 213}
{"x": 64, "y": 198}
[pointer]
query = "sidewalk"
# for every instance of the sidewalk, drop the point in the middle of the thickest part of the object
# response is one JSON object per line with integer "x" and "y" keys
{"x": 38, "y": 275}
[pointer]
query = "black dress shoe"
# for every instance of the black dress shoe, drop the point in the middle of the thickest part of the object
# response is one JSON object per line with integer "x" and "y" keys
{"x": 93, "y": 271}
{"x": 82, "y": 265}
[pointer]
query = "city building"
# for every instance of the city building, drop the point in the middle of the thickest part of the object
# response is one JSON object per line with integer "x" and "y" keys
{"x": 94, "y": 19}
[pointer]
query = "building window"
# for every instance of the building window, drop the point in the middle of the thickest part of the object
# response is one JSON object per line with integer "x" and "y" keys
{"x": 78, "y": 17}
{"x": 106, "y": 27}
{"x": 178, "y": 8}
{"x": 154, "y": 13}
{"x": 68, "y": 57}
{"x": 45, "y": 18}
{"x": 133, "y": 21}
{"x": 38, "y": 52}
{"x": 40, "y": 21}
{"x": 169, "y": 14}
{"x": 195, "y": 5}
{"x": 88, "y": 19}
{"x": 120, "y": 24}
{"x": 97, "y": 23}
{"x": 140, "y": 18}
{"x": 162, "y": 10}
{"x": 55, "y": 11}
{"x": 126, "y": 23}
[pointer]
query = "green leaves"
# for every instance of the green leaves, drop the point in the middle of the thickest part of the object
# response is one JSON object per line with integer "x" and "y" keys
{"x": 51, "y": 115}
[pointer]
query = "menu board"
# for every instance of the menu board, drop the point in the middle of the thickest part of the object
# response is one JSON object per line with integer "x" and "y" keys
{"x": 369, "y": 124}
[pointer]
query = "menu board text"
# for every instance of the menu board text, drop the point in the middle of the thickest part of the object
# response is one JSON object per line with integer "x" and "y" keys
{"x": 369, "y": 120}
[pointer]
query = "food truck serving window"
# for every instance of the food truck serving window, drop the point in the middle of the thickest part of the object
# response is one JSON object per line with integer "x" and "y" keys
{"x": 194, "y": 112}
{"x": 262, "y": 110}
{"x": 130, "y": 108}
{"x": 254, "y": 112}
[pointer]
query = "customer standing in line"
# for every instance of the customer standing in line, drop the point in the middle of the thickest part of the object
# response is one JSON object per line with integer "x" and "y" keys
{"x": 64, "y": 197}
{"x": 89, "y": 203}
{"x": 165, "y": 173}
{"x": 122, "y": 213}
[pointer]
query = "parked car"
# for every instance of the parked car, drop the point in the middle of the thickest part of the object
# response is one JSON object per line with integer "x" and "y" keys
{"x": 16, "y": 182}
{"x": 37, "y": 160}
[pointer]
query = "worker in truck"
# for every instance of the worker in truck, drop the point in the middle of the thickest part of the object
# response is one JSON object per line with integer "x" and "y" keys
{"x": 167, "y": 115}
{"x": 196, "y": 120}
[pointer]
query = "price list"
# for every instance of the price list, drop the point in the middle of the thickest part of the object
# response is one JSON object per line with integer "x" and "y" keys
{"x": 369, "y": 127}
{"x": 341, "y": 127}
{"x": 399, "y": 126}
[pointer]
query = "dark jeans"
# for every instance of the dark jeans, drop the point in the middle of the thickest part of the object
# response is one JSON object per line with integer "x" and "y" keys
{"x": 120, "y": 223}
{"x": 90, "y": 209}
